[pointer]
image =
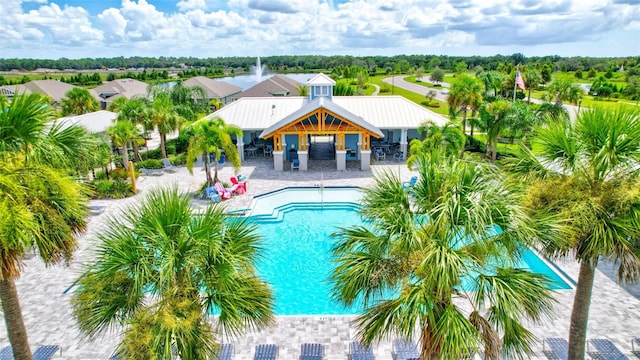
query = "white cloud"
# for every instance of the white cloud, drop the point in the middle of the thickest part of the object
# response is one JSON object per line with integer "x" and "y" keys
{"x": 186, "y": 5}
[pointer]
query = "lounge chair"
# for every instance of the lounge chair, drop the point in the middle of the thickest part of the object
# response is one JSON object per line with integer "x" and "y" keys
{"x": 380, "y": 154}
{"x": 226, "y": 352}
{"x": 266, "y": 352}
{"x": 359, "y": 352}
{"x": 224, "y": 193}
{"x": 295, "y": 164}
{"x": 411, "y": 183}
{"x": 45, "y": 352}
{"x": 168, "y": 167}
{"x": 635, "y": 343}
{"x": 311, "y": 351}
{"x": 404, "y": 350}
{"x": 604, "y": 349}
{"x": 96, "y": 209}
{"x": 555, "y": 348}
{"x": 6, "y": 353}
{"x": 241, "y": 186}
{"x": 151, "y": 172}
{"x": 212, "y": 194}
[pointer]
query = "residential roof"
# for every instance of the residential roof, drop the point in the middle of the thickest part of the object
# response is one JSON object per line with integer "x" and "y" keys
{"x": 128, "y": 88}
{"x": 318, "y": 104}
{"x": 321, "y": 79}
{"x": 276, "y": 85}
{"x": 95, "y": 122}
{"x": 52, "y": 88}
{"x": 11, "y": 90}
{"x": 383, "y": 112}
{"x": 215, "y": 89}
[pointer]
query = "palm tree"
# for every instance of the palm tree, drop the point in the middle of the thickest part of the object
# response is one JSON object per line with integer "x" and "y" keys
{"x": 162, "y": 269}
{"x": 492, "y": 80}
{"x": 564, "y": 90}
{"x": 164, "y": 117}
{"x": 136, "y": 112}
{"x": 122, "y": 132}
{"x": 78, "y": 101}
{"x": 40, "y": 205}
{"x": 448, "y": 138}
{"x": 587, "y": 172}
{"x": 493, "y": 120}
{"x": 212, "y": 136}
{"x": 532, "y": 79}
{"x": 465, "y": 93}
{"x": 303, "y": 90}
{"x": 440, "y": 262}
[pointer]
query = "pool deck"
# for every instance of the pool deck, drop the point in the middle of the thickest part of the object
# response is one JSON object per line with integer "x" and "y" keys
{"x": 615, "y": 310}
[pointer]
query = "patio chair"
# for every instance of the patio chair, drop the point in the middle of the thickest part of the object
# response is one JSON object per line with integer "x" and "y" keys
{"x": 636, "y": 351}
{"x": 168, "y": 167}
{"x": 358, "y": 352}
{"x": 266, "y": 352}
{"x": 226, "y": 352}
{"x": 6, "y": 353}
{"x": 224, "y": 193}
{"x": 380, "y": 155}
{"x": 45, "y": 352}
{"x": 151, "y": 172}
{"x": 404, "y": 350}
{"x": 411, "y": 183}
{"x": 268, "y": 150}
{"x": 555, "y": 348}
{"x": 398, "y": 156}
{"x": 241, "y": 186}
{"x": 311, "y": 352}
{"x": 604, "y": 349}
{"x": 221, "y": 161}
{"x": 212, "y": 194}
{"x": 295, "y": 164}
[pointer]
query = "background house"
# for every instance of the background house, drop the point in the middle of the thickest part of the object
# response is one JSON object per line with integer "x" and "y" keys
{"x": 219, "y": 90}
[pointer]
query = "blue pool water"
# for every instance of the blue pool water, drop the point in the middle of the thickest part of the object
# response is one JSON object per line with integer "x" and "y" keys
{"x": 297, "y": 260}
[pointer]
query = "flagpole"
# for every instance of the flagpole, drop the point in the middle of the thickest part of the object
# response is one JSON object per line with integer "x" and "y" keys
{"x": 515, "y": 83}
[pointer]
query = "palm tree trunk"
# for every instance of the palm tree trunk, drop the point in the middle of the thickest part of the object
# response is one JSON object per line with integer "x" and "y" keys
{"x": 125, "y": 156}
{"x": 494, "y": 150}
{"x": 136, "y": 150}
{"x": 13, "y": 320}
{"x": 580, "y": 312}
{"x": 163, "y": 151}
{"x": 215, "y": 173}
{"x": 207, "y": 169}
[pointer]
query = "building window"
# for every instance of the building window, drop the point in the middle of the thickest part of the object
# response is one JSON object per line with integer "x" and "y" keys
{"x": 322, "y": 91}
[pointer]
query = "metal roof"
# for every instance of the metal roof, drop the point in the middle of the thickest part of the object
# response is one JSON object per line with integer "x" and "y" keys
{"x": 94, "y": 122}
{"x": 383, "y": 112}
{"x": 326, "y": 104}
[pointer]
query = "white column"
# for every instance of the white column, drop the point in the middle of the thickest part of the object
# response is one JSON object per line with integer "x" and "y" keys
{"x": 303, "y": 157}
{"x": 403, "y": 143}
{"x": 278, "y": 160}
{"x": 341, "y": 159}
{"x": 365, "y": 159}
{"x": 240, "y": 146}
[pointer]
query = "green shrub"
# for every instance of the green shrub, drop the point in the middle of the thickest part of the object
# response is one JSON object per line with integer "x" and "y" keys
{"x": 179, "y": 159}
{"x": 151, "y": 154}
{"x": 117, "y": 161}
{"x": 111, "y": 189}
{"x": 100, "y": 175}
{"x": 179, "y": 144}
{"x": 149, "y": 164}
{"x": 171, "y": 148}
{"x": 119, "y": 174}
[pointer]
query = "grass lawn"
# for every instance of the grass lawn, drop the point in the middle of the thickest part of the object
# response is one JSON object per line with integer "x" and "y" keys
{"x": 416, "y": 98}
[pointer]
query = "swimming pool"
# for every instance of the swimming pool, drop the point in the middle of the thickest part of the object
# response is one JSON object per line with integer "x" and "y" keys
{"x": 296, "y": 224}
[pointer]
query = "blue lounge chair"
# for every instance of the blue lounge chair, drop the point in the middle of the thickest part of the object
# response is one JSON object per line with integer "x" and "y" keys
{"x": 212, "y": 194}
{"x": 266, "y": 352}
{"x": 604, "y": 349}
{"x": 404, "y": 350}
{"x": 411, "y": 183}
{"x": 311, "y": 351}
{"x": 45, "y": 352}
{"x": 6, "y": 353}
{"x": 168, "y": 167}
{"x": 226, "y": 352}
{"x": 359, "y": 352}
{"x": 636, "y": 351}
{"x": 295, "y": 164}
{"x": 558, "y": 348}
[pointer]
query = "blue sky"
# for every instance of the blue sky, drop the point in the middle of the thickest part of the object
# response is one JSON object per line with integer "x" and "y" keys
{"x": 212, "y": 28}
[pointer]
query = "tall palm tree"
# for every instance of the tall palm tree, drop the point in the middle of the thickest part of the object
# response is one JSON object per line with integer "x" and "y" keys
{"x": 564, "y": 90}
{"x": 163, "y": 268}
{"x": 493, "y": 119}
{"x": 122, "y": 132}
{"x": 440, "y": 262}
{"x": 212, "y": 136}
{"x": 164, "y": 117}
{"x": 40, "y": 205}
{"x": 78, "y": 101}
{"x": 447, "y": 138}
{"x": 303, "y": 90}
{"x": 136, "y": 112}
{"x": 587, "y": 172}
{"x": 465, "y": 94}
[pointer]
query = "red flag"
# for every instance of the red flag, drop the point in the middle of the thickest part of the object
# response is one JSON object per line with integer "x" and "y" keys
{"x": 519, "y": 80}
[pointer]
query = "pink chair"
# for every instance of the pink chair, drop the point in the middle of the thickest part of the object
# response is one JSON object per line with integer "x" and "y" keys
{"x": 241, "y": 186}
{"x": 225, "y": 194}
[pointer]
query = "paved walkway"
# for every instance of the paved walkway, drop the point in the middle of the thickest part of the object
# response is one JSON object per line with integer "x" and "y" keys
{"x": 615, "y": 312}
